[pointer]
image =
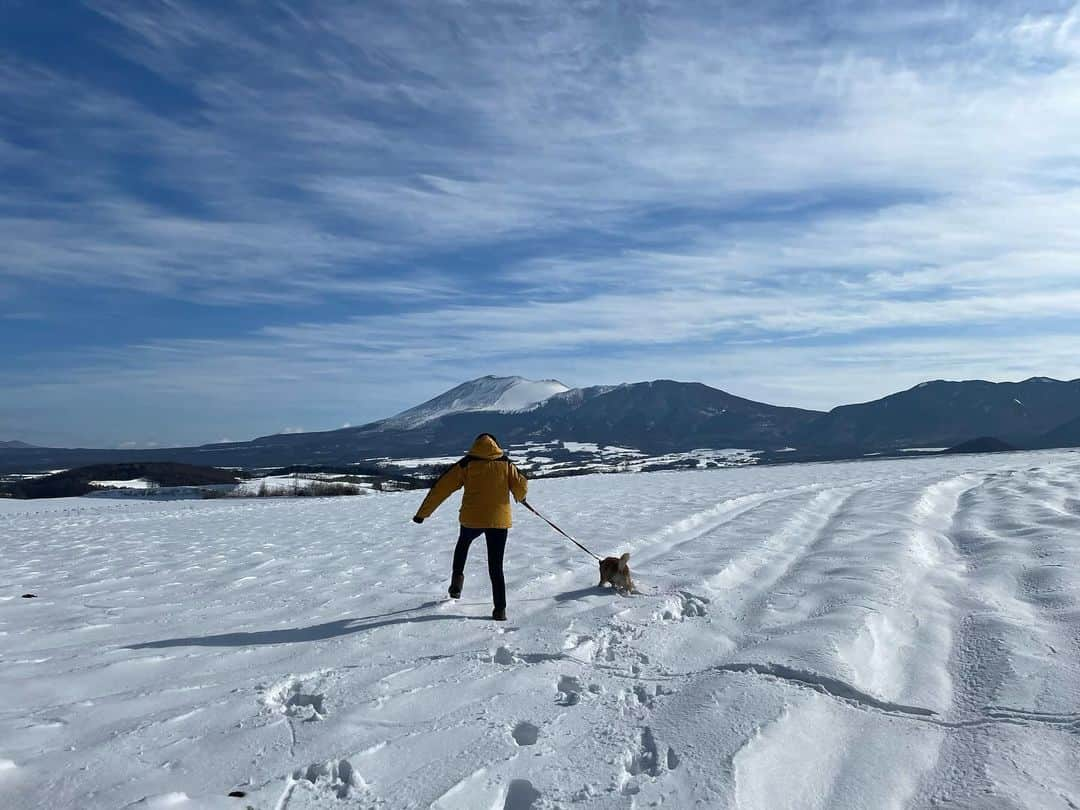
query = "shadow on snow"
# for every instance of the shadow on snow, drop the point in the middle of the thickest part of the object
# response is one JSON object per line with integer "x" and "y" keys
{"x": 581, "y": 593}
{"x": 316, "y": 632}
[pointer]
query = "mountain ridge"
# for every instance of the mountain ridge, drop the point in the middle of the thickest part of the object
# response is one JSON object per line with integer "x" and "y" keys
{"x": 948, "y": 412}
{"x": 649, "y": 418}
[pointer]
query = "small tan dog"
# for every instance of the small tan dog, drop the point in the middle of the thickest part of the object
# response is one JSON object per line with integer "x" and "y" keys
{"x": 616, "y": 570}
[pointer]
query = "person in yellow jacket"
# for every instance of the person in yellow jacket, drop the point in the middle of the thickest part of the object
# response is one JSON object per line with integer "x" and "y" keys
{"x": 489, "y": 478}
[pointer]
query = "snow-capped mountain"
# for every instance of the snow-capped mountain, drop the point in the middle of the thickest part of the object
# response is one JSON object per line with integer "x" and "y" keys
{"x": 659, "y": 416}
{"x": 490, "y": 393}
{"x": 639, "y": 425}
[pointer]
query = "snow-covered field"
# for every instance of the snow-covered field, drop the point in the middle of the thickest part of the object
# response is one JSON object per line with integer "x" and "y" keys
{"x": 875, "y": 634}
{"x": 550, "y": 458}
{"x": 132, "y": 483}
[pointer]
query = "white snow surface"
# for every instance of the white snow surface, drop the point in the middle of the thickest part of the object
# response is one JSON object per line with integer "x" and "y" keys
{"x": 130, "y": 483}
{"x": 539, "y": 458}
{"x": 281, "y": 484}
{"x": 484, "y": 394}
{"x": 874, "y": 634}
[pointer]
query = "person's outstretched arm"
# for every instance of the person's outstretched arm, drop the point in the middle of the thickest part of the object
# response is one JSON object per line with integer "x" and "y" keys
{"x": 519, "y": 484}
{"x": 448, "y": 483}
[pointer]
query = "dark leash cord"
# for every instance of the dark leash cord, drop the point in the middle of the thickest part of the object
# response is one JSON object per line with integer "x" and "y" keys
{"x": 529, "y": 506}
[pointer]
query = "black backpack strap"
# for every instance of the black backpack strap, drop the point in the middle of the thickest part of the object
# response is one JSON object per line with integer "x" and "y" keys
{"x": 467, "y": 460}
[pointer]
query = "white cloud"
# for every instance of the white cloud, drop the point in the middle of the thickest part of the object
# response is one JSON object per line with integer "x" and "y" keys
{"x": 519, "y": 125}
{"x": 597, "y": 193}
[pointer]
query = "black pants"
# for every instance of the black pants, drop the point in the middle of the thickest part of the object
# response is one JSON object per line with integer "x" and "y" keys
{"x": 496, "y": 545}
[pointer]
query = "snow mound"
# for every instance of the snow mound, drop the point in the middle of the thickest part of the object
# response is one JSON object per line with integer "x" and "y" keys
{"x": 484, "y": 394}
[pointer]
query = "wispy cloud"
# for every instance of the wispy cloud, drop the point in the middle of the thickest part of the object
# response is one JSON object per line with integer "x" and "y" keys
{"x": 595, "y": 192}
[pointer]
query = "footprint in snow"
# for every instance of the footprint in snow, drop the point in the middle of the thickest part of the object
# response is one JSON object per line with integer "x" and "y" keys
{"x": 646, "y": 759}
{"x": 300, "y": 697}
{"x": 337, "y": 777}
{"x": 505, "y": 656}
{"x": 521, "y": 795}
{"x": 525, "y": 733}
{"x": 645, "y": 696}
{"x": 685, "y": 606}
{"x": 569, "y": 690}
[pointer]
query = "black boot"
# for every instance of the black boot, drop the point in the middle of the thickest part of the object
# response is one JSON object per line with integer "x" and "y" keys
{"x": 456, "y": 583}
{"x": 499, "y": 614}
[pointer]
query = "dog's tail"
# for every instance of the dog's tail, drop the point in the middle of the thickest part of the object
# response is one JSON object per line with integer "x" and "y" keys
{"x": 625, "y": 557}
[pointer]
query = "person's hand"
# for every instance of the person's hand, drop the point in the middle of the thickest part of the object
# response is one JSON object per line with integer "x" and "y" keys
{"x": 417, "y": 519}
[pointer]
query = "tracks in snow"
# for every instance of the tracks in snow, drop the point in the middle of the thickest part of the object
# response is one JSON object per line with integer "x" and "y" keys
{"x": 1016, "y": 642}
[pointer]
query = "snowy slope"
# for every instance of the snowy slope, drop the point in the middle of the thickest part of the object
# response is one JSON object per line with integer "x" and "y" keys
{"x": 484, "y": 394}
{"x": 873, "y": 634}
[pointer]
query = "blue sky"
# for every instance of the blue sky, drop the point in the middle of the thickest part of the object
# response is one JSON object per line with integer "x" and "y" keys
{"x": 222, "y": 220}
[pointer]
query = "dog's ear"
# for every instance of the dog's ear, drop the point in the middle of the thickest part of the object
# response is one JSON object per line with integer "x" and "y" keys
{"x": 625, "y": 558}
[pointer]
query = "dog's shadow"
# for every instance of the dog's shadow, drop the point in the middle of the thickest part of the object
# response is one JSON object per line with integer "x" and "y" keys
{"x": 316, "y": 632}
{"x": 582, "y": 593}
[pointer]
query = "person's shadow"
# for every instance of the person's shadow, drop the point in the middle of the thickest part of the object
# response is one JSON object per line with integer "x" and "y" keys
{"x": 316, "y": 632}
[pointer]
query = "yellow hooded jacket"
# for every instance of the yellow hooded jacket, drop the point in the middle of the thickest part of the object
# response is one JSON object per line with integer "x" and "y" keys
{"x": 488, "y": 478}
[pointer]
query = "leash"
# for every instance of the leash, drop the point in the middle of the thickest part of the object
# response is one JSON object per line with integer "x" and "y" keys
{"x": 529, "y": 506}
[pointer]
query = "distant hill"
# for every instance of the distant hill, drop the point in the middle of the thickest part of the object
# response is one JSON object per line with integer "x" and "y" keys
{"x": 943, "y": 413}
{"x": 16, "y": 446}
{"x": 72, "y": 483}
{"x": 660, "y": 416}
{"x": 984, "y": 444}
{"x": 1066, "y": 434}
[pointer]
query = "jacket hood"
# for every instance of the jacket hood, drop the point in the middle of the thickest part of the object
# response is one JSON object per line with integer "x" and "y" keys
{"x": 485, "y": 447}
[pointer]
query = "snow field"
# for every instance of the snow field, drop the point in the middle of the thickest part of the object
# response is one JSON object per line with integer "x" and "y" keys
{"x": 854, "y": 635}
{"x": 131, "y": 483}
{"x": 547, "y": 458}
